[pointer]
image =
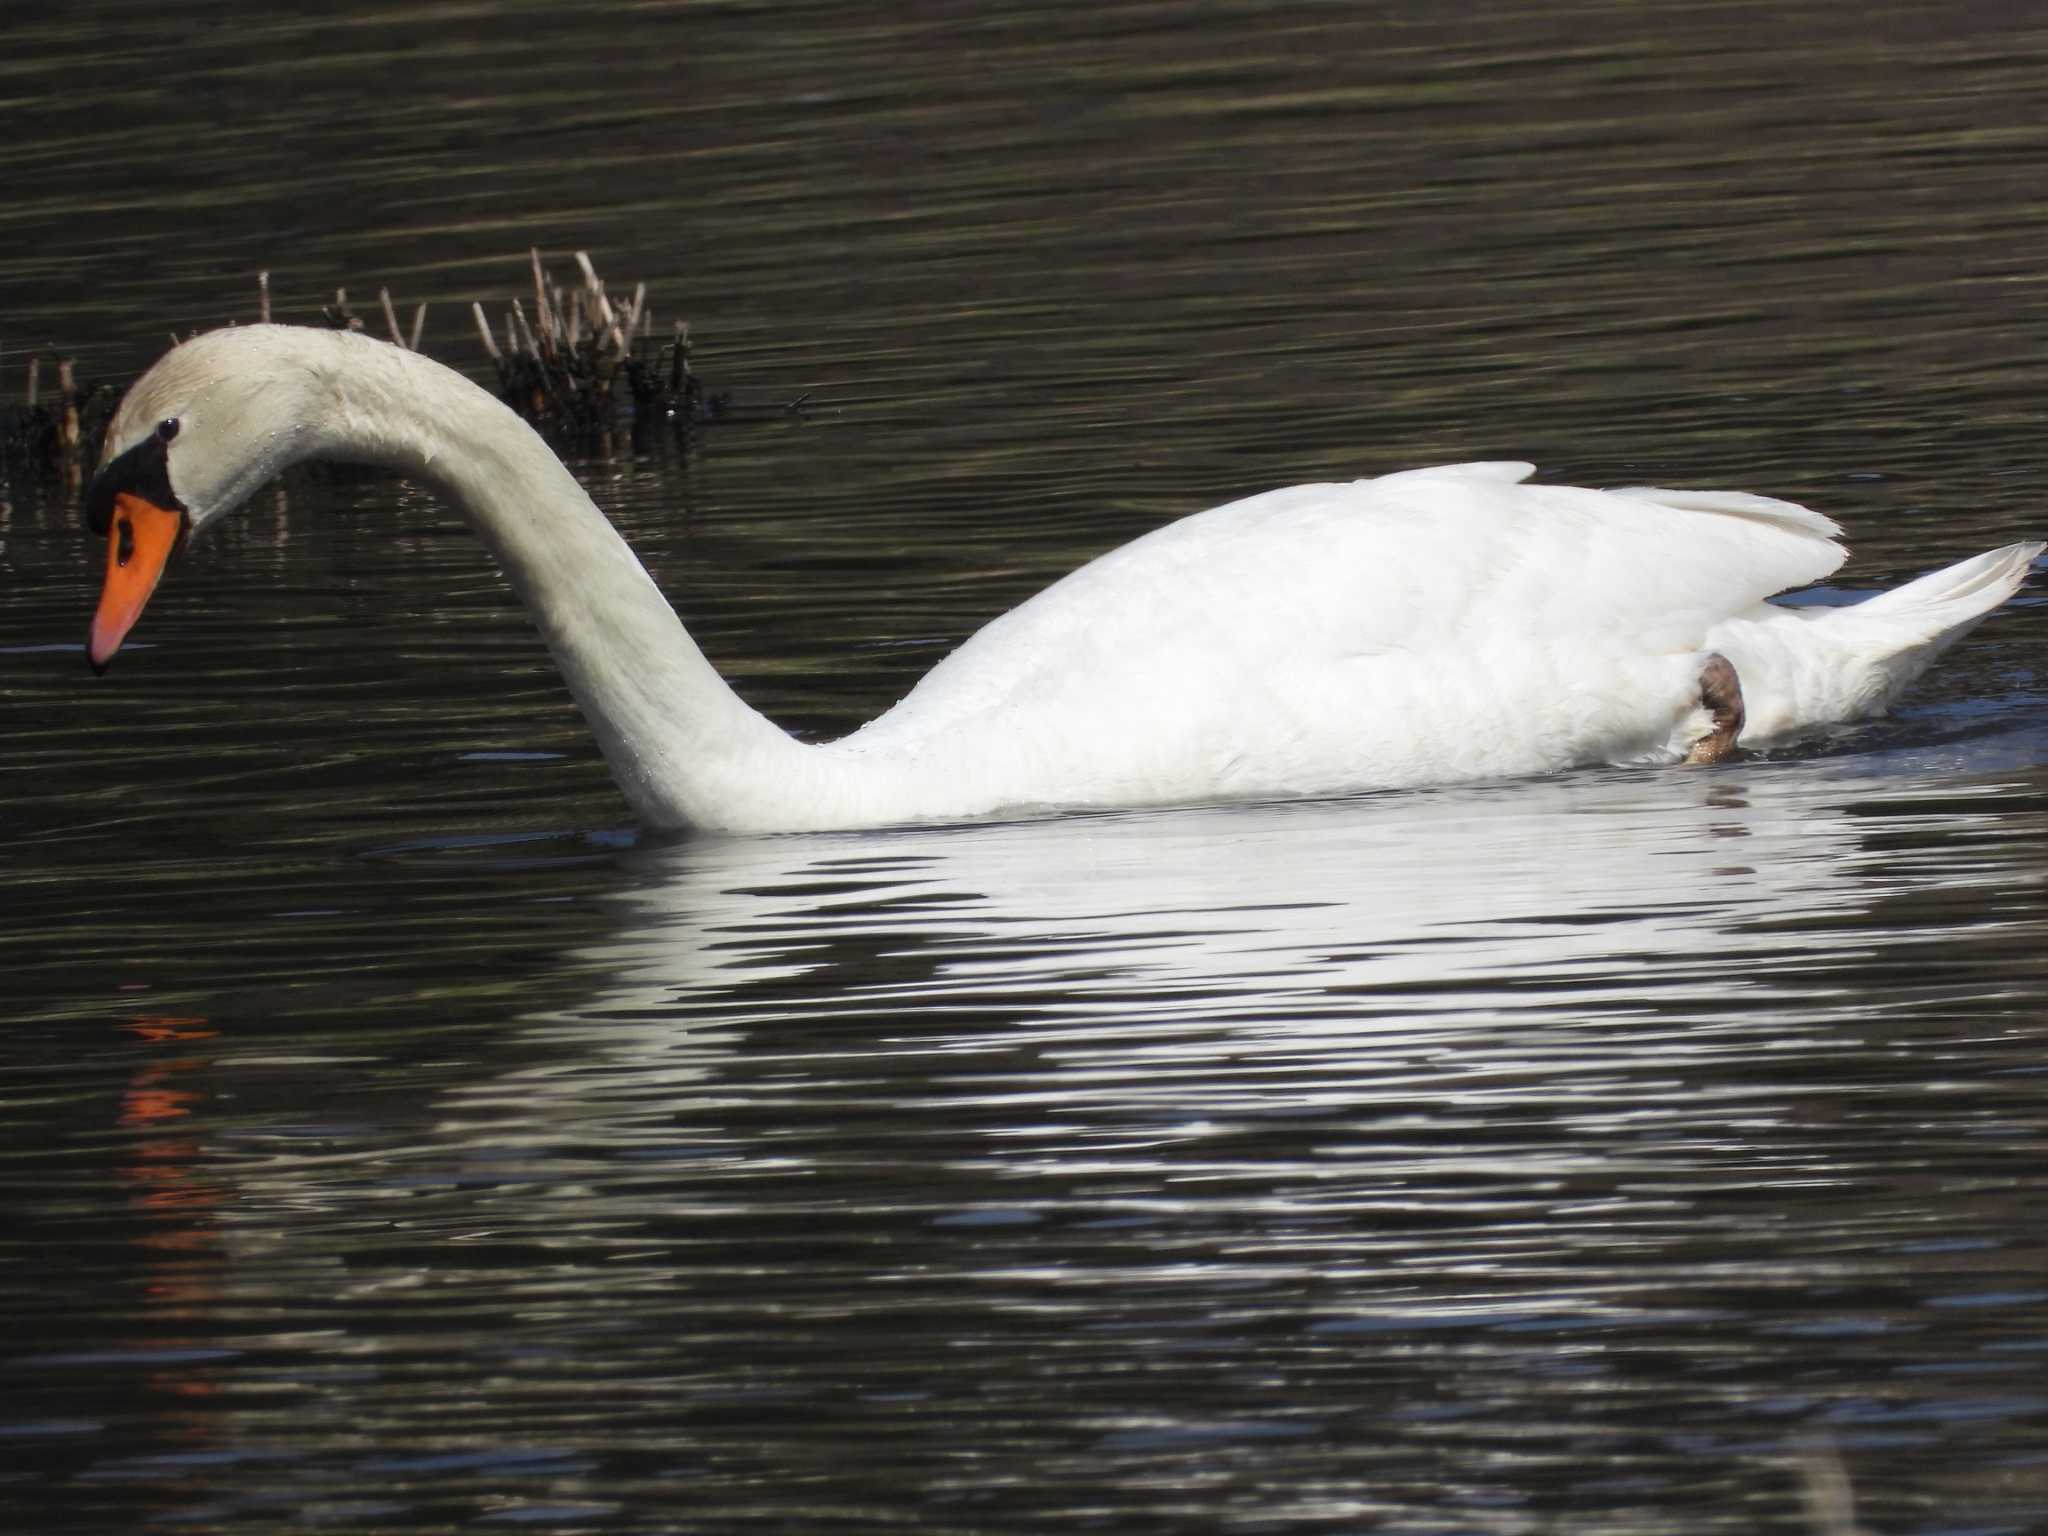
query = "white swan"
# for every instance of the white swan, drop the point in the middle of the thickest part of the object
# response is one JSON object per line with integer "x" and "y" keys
{"x": 1424, "y": 627}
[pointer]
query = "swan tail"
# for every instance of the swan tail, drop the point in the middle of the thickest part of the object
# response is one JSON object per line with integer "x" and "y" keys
{"x": 1901, "y": 632}
{"x": 1804, "y": 669}
{"x": 1957, "y": 594}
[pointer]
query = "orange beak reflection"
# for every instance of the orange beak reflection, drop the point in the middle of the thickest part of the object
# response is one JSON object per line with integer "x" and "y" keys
{"x": 140, "y": 538}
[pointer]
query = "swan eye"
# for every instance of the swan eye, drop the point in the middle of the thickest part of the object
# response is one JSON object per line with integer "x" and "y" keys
{"x": 167, "y": 429}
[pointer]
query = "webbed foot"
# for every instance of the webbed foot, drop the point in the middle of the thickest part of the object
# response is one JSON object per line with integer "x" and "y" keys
{"x": 1721, "y": 697}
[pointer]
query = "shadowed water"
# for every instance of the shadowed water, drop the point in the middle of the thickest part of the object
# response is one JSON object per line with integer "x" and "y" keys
{"x": 391, "y": 1138}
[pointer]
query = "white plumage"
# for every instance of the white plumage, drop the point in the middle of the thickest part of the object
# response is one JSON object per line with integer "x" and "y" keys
{"x": 1424, "y": 627}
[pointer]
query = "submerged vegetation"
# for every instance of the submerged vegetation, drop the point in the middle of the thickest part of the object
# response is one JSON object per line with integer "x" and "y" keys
{"x": 572, "y": 369}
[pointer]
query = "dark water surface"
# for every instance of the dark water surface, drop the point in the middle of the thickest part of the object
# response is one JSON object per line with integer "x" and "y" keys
{"x": 392, "y": 1139}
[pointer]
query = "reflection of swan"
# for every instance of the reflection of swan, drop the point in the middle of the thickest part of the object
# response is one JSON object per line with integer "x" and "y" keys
{"x": 1249, "y": 934}
{"x": 1433, "y": 626}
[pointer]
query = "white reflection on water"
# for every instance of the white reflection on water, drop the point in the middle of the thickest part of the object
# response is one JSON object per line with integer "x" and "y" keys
{"x": 1332, "y": 1145}
{"x": 1237, "y": 952}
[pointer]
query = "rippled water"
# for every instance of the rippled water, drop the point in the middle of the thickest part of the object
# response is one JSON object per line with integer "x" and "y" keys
{"x": 392, "y": 1138}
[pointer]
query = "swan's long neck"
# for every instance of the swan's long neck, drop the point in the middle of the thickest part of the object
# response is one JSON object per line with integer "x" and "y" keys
{"x": 684, "y": 747}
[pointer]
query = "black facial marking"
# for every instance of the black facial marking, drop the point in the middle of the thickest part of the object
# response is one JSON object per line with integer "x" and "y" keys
{"x": 144, "y": 470}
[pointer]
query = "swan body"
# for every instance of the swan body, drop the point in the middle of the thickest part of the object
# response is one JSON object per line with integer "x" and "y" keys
{"x": 1424, "y": 627}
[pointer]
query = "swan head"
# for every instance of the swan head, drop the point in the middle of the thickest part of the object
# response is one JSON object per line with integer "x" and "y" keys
{"x": 214, "y": 419}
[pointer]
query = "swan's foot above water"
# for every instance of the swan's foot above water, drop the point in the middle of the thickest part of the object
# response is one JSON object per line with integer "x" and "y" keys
{"x": 1721, "y": 697}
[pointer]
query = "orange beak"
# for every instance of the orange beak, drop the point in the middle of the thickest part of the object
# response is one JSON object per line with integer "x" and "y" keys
{"x": 140, "y": 538}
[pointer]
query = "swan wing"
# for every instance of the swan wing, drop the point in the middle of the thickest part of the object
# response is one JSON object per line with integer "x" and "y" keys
{"x": 1276, "y": 588}
{"x": 1425, "y": 627}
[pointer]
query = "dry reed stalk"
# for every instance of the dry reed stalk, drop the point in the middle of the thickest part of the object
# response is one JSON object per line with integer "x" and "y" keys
{"x": 541, "y": 311}
{"x": 483, "y": 329}
{"x": 525, "y": 330}
{"x": 602, "y": 319}
{"x": 390, "y": 318}
{"x": 629, "y": 324}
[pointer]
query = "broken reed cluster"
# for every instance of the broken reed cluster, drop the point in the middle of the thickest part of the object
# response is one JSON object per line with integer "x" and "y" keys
{"x": 567, "y": 369}
{"x": 562, "y": 369}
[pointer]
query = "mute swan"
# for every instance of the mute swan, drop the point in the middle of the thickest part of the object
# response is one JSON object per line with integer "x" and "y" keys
{"x": 1423, "y": 627}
